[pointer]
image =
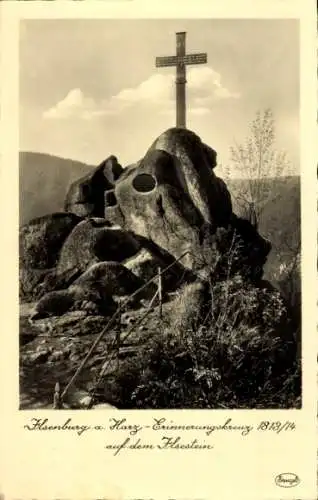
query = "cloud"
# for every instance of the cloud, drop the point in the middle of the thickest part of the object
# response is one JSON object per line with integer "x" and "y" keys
{"x": 74, "y": 102}
{"x": 206, "y": 81}
{"x": 156, "y": 87}
{"x": 157, "y": 93}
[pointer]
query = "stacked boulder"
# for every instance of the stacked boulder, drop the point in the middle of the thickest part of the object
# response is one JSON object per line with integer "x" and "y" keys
{"x": 120, "y": 225}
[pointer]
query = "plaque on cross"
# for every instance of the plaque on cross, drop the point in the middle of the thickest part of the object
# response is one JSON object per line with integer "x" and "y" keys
{"x": 180, "y": 60}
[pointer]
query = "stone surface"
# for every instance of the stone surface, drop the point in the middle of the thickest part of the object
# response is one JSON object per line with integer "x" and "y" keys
{"x": 85, "y": 196}
{"x": 145, "y": 265}
{"x": 112, "y": 279}
{"x": 195, "y": 162}
{"x": 95, "y": 240}
{"x": 71, "y": 342}
{"x": 93, "y": 292}
{"x": 40, "y": 356}
{"x": 40, "y": 243}
{"x": 104, "y": 406}
{"x": 42, "y": 238}
{"x": 174, "y": 202}
{"x": 31, "y": 281}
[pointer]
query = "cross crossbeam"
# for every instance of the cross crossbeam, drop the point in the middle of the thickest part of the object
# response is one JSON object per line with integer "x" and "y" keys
{"x": 175, "y": 60}
{"x": 180, "y": 61}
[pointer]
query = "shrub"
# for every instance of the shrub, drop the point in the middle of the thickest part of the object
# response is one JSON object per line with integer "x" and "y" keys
{"x": 240, "y": 353}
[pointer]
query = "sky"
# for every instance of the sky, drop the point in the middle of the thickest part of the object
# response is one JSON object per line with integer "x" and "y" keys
{"x": 90, "y": 88}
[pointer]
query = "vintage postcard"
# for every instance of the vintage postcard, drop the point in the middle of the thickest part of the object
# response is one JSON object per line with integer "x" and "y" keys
{"x": 159, "y": 258}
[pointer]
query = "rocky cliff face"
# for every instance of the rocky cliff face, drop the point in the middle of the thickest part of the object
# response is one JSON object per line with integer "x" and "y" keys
{"x": 168, "y": 210}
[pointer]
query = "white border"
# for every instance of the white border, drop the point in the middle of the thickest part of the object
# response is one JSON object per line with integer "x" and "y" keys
{"x": 56, "y": 466}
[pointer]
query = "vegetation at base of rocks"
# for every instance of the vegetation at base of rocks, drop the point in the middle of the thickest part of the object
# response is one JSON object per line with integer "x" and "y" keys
{"x": 241, "y": 353}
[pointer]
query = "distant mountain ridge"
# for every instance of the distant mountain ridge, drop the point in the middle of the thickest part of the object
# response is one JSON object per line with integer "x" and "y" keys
{"x": 43, "y": 183}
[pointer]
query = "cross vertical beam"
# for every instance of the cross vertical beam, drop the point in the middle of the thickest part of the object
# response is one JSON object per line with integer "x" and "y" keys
{"x": 180, "y": 60}
{"x": 181, "y": 81}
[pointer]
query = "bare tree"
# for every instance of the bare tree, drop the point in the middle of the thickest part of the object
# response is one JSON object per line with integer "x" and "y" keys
{"x": 257, "y": 161}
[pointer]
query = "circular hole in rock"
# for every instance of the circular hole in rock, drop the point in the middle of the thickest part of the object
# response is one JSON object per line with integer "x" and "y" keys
{"x": 144, "y": 183}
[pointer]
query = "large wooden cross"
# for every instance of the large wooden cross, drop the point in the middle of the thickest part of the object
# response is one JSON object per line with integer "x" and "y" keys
{"x": 180, "y": 60}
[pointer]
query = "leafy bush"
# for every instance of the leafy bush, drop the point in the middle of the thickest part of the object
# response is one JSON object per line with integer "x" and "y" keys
{"x": 240, "y": 352}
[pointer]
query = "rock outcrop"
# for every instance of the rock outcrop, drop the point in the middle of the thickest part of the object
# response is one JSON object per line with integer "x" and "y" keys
{"x": 40, "y": 243}
{"x": 168, "y": 209}
{"x": 93, "y": 291}
{"x": 173, "y": 199}
{"x": 169, "y": 206}
{"x": 95, "y": 240}
{"x": 85, "y": 197}
{"x": 42, "y": 238}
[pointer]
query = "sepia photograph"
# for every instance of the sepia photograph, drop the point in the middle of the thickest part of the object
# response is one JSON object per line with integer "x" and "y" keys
{"x": 159, "y": 214}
